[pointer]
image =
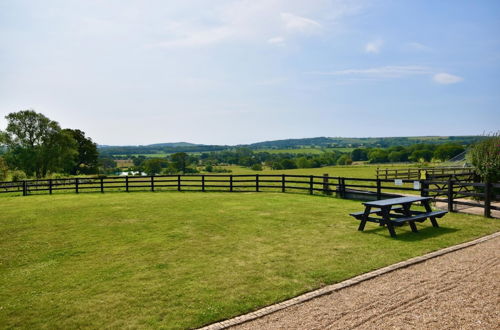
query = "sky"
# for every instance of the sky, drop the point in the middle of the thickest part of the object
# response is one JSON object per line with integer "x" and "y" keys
{"x": 242, "y": 71}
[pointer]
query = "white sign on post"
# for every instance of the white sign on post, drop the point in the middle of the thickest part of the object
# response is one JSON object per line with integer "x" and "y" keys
{"x": 398, "y": 182}
{"x": 416, "y": 185}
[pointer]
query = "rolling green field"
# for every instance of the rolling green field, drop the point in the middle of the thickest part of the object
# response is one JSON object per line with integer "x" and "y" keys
{"x": 181, "y": 260}
{"x": 354, "y": 171}
{"x": 298, "y": 151}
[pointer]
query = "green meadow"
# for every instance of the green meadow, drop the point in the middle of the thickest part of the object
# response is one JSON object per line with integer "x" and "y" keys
{"x": 179, "y": 260}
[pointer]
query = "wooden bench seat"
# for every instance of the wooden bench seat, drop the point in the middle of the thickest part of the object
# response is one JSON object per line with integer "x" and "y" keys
{"x": 359, "y": 215}
{"x": 420, "y": 216}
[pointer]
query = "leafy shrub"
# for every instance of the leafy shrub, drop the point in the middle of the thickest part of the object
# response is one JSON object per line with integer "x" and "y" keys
{"x": 344, "y": 160}
{"x": 485, "y": 157}
{"x": 18, "y": 175}
{"x": 256, "y": 167}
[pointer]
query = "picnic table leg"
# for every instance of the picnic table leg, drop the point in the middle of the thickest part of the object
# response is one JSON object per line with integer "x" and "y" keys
{"x": 406, "y": 211}
{"x": 387, "y": 220}
{"x": 365, "y": 217}
{"x": 429, "y": 209}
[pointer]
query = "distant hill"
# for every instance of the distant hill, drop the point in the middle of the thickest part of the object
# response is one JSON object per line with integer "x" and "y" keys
{"x": 155, "y": 145}
{"x": 341, "y": 142}
{"x": 174, "y": 144}
{"x": 321, "y": 142}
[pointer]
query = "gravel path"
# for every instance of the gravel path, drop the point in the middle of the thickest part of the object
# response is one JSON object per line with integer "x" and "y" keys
{"x": 459, "y": 290}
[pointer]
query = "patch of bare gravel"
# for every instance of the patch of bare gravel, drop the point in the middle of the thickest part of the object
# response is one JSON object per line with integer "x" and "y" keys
{"x": 459, "y": 290}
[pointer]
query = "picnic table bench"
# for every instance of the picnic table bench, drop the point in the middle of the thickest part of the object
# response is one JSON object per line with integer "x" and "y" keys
{"x": 396, "y": 212}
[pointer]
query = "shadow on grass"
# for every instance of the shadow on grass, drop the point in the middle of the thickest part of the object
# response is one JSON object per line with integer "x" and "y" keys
{"x": 409, "y": 236}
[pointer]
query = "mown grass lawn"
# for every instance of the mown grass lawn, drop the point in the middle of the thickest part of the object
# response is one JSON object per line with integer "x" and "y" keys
{"x": 181, "y": 260}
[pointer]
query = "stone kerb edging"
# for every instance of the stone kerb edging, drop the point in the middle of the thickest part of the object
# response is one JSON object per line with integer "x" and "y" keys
{"x": 344, "y": 284}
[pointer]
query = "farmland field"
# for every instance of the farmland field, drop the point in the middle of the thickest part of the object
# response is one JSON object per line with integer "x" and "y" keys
{"x": 354, "y": 171}
{"x": 315, "y": 151}
{"x": 180, "y": 260}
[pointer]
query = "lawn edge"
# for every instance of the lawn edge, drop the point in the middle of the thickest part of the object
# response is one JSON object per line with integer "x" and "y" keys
{"x": 344, "y": 284}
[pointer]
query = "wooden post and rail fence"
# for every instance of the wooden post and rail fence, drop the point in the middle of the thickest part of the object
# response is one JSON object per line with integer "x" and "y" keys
{"x": 453, "y": 192}
{"x": 413, "y": 173}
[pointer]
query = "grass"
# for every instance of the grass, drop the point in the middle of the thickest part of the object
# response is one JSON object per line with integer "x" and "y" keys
{"x": 181, "y": 260}
{"x": 357, "y": 171}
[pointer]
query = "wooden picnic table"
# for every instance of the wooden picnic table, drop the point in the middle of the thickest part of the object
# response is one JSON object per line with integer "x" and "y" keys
{"x": 396, "y": 212}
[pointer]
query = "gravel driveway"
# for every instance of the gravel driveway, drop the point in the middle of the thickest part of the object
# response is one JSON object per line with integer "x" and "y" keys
{"x": 459, "y": 290}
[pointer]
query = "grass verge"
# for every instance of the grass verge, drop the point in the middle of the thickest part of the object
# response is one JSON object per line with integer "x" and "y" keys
{"x": 181, "y": 260}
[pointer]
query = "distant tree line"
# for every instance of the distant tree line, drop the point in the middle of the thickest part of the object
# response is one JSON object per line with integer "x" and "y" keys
{"x": 412, "y": 153}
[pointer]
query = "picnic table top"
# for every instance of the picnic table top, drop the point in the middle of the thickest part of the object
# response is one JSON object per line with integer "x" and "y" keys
{"x": 396, "y": 201}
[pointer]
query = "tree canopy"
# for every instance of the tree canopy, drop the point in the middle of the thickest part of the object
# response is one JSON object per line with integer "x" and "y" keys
{"x": 38, "y": 146}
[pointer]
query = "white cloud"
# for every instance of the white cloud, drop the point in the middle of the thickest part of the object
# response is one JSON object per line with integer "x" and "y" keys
{"x": 380, "y": 72}
{"x": 294, "y": 23}
{"x": 446, "y": 78}
{"x": 250, "y": 21}
{"x": 276, "y": 41}
{"x": 391, "y": 72}
{"x": 374, "y": 46}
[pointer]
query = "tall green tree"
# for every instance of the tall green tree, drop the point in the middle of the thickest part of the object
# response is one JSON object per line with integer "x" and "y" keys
{"x": 359, "y": 154}
{"x": 36, "y": 144}
{"x": 154, "y": 166}
{"x": 3, "y": 169}
{"x": 447, "y": 151}
{"x": 86, "y": 160}
{"x": 181, "y": 161}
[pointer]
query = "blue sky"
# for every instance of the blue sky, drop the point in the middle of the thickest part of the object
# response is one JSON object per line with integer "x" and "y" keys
{"x": 229, "y": 72}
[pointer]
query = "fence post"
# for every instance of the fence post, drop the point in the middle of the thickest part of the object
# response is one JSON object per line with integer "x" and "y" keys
{"x": 126, "y": 183}
{"x": 102, "y": 184}
{"x": 423, "y": 188}
{"x": 152, "y": 183}
{"x": 76, "y": 185}
{"x": 203, "y": 183}
{"x": 326, "y": 185}
{"x": 25, "y": 188}
{"x": 178, "y": 183}
{"x": 311, "y": 185}
{"x": 256, "y": 182}
{"x": 341, "y": 187}
{"x": 283, "y": 186}
{"x": 50, "y": 186}
{"x": 450, "y": 196}
{"x": 230, "y": 182}
{"x": 379, "y": 189}
{"x": 487, "y": 199}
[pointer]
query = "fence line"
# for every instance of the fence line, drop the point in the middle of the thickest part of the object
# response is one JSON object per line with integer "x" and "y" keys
{"x": 422, "y": 173}
{"x": 453, "y": 192}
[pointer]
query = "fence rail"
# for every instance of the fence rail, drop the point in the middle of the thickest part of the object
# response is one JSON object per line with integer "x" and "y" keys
{"x": 453, "y": 192}
{"x": 204, "y": 182}
{"x": 458, "y": 193}
{"x": 422, "y": 173}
